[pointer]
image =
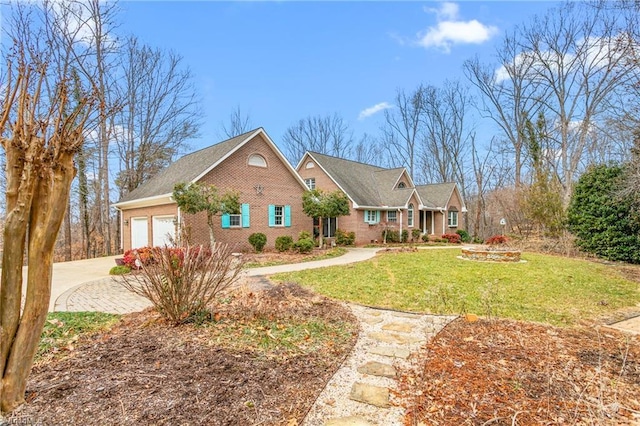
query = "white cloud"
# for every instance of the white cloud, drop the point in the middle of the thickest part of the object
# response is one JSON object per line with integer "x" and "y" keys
{"x": 450, "y": 30}
{"x": 368, "y": 112}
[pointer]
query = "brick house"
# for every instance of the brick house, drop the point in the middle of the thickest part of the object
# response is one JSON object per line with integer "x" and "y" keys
{"x": 382, "y": 198}
{"x": 270, "y": 194}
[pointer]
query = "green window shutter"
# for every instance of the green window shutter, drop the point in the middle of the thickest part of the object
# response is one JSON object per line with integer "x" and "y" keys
{"x": 272, "y": 215}
{"x": 245, "y": 216}
{"x": 366, "y": 216}
{"x": 287, "y": 216}
{"x": 378, "y": 216}
{"x": 226, "y": 221}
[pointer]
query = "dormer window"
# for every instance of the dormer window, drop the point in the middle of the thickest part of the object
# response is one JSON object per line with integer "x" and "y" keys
{"x": 402, "y": 185}
{"x": 257, "y": 160}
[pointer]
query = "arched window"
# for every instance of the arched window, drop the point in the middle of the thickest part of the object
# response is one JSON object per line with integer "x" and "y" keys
{"x": 410, "y": 216}
{"x": 257, "y": 160}
{"x": 309, "y": 165}
{"x": 402, "y": 185}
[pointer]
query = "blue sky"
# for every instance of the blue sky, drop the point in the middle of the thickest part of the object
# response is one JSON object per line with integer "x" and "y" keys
{"x": 283, "y": 61}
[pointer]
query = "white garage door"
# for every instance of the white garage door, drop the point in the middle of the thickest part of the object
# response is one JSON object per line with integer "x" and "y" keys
{"x": 164, "y": 230}
{"x": 139, "y": 232}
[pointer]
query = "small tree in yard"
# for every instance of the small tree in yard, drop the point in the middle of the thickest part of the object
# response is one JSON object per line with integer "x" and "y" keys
{"x": 181, "y": 282}
{"x": 321, "y": 204}
{"x": 195, "y": 198}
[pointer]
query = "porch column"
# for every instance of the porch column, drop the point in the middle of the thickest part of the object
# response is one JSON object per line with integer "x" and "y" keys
{"x": 424, "y": 221}
{"x": 443, "y": 220}
{"x": 433, "y": 222}
{"x": 400, "y": 224}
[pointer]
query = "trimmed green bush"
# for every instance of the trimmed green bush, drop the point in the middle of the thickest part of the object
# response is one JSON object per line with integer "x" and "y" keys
{"x": 603, "y": 223}
{"x": 391, "y": 236}
{"x": 304, "y": 245}
{"x": 284, "y": 243}
{"x": 405, "y": 236}
{"x": 415, "y": 234}
{"x": 119, "y": 270}
{"x": 303, "y": 235}
{"x": 258, "y": 240}
{"x": 344, "y": 238}
{"x": 464, "y": 235}
{"x": 425, "y": 238}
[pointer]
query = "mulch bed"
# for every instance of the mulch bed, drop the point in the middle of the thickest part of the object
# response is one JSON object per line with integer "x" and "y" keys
{"x": 502, "y": 372}
{"x": 148, "y": 372}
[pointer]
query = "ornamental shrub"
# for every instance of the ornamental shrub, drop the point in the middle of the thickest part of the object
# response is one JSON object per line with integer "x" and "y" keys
{"x": 415, "y": 234}
{"x": 392, "y": 236}
{"x": 405, "y": 236}
{"x": 119, "y": 270}
{"x": 284, "y": 243}
{"x": 464, "y": 235}
{"x": 258, "y": 240}
{"x": 186, "y": 281}
{"x": 496, "y": 240}
{"x": 304, "y": 245}
{"x": 602, "y": 222}
{"x": 303, "y": 235}
{"x": 451, "y": 238}
{"x": 143, "y": 255}
{"x": 425, "y": 238}
{"x": 344, "y": 238}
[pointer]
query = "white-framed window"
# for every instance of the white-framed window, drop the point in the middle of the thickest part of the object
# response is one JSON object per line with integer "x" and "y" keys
{"x": 310, "y": 182}
{"x": 452, "y": 219}
{"x": 235, "y": 220}
{"x": 257, "y": 160}
{"x": 371, "y": 216}
{"x": 410, "y": 216}
{"x": 392, "y": 216}
{"x": 278, "y": 215}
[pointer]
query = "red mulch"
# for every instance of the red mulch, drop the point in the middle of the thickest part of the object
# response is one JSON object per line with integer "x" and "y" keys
{"x": 504, "y": 372}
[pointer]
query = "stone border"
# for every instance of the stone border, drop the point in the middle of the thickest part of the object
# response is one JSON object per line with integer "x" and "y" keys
{"x": 486, "y": 255}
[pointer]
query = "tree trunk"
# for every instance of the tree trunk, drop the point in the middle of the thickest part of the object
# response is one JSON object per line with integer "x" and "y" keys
{"x": 212, "y": 238}
{"x": 47, "y": 213}
{"x": 68, "y": 255}
{"x": 321, "y": 232}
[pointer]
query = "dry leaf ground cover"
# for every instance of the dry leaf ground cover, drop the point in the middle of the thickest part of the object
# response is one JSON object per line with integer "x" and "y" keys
{"x": 260, "y": 359}
{"x": 505, "y": 372}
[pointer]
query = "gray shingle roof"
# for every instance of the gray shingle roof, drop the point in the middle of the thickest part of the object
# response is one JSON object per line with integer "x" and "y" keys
{"x": 436, "y": 194}
{"x": 367, "y": 185}
{"x": 185, "y": 169}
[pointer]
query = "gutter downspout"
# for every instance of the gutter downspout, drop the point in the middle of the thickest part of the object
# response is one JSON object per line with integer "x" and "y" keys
{"x": 400, "y": 210}
{"x": 443, "y": 219}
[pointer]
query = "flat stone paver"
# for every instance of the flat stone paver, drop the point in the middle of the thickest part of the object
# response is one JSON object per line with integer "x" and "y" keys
{"x": 372, "y": 320}
{"x": 375, "y": 368}
{"x": 390, "y": 352}
{"x": 394, "y": 338}
{"x": 104, "y": 295}
{"x": 370, "y": 394}
{"x": 401, "y": 327}
{"x": 348, "y": 421}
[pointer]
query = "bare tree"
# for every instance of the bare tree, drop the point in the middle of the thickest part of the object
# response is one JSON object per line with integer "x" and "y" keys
{"x": 159, "y": 116}
{"x": 44, "y": 109}
{"x": 327, "y": 135}
{"x": 367, "y": 150}
{"x": 401, "y": 131}
{"x": 238, "y": 124}
{"x": 444, "y": 146}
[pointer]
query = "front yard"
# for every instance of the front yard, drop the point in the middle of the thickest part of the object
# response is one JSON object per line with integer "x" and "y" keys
{"x": 556, "y": 290}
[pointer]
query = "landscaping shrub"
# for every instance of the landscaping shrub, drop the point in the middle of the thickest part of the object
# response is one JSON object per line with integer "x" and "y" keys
{"x": 119, "y": 270}
{"x": 258, "y": 240}
{"x": 184, "y": 282}
{"x": 304, "y": 235}
{"x": 304, "y": 245}
{"x": 452, "y": 238}
{"x": 425, "y": 238}
{"x": 405, "y": 236}
{"x": 604, "y": 223}
{"x": 496, "y": 240}
{"x": 144, "y": 256}
{"x": 284, "y": 243}
{"x": 415, "y": 234}
{"x": 464, "y": 235}
{"x": 344, "y": 238}
{"x": 391, "y": 236}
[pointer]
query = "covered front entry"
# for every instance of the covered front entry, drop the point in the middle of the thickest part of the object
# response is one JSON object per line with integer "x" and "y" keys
{"x": 427, "y": 222}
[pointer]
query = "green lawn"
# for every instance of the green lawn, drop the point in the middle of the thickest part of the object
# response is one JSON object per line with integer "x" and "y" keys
{"x": 550, "y": 289}
{"x": 63, "y": 329}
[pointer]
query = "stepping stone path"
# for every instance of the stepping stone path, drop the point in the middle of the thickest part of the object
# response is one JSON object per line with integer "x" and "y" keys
{"x": 359, "y": 392}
